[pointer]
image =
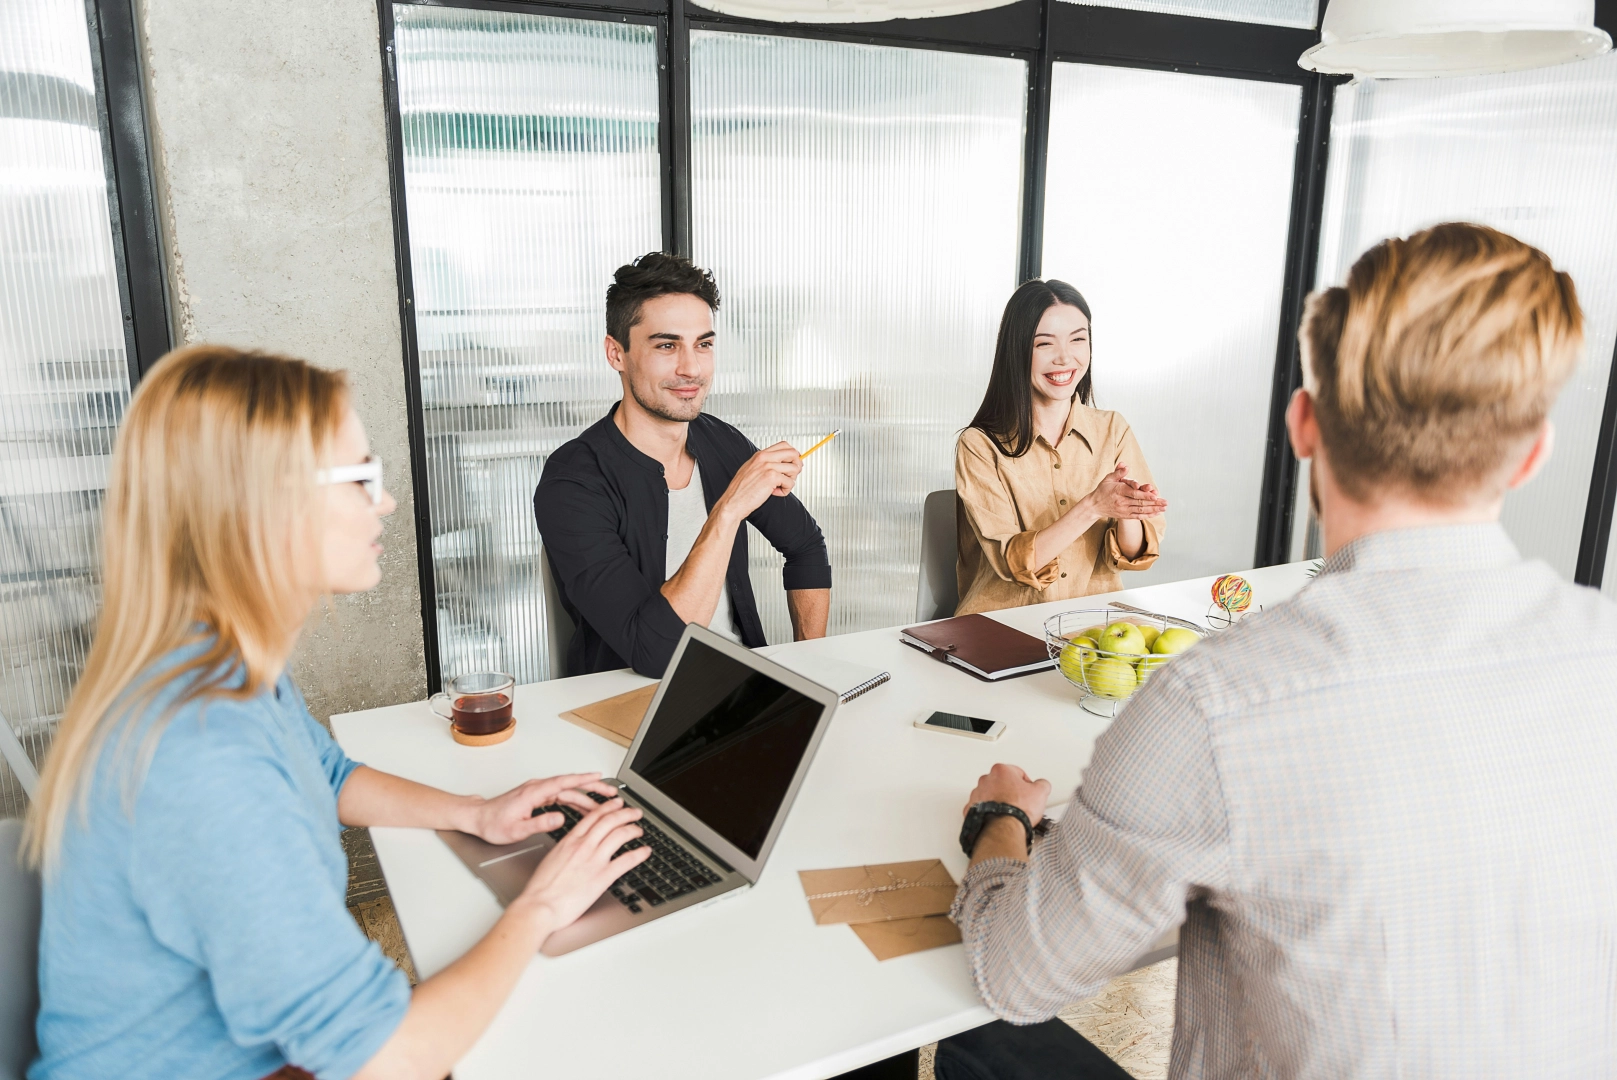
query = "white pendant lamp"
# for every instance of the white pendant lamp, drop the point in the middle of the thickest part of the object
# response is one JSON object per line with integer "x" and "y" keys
{"x": 1423, "y": 39}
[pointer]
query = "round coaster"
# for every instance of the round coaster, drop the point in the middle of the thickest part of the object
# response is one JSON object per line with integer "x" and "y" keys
{"x": 484, "y": 740}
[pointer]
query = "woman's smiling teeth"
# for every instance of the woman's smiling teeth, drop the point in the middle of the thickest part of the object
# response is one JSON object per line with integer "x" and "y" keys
{"x": 1061, "y": 378}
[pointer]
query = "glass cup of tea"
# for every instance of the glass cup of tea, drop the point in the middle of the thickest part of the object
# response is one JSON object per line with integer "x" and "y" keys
{"x": 478, "y": 708}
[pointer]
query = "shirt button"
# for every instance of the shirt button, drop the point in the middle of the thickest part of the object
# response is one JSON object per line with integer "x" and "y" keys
{"x": 1058, "y": 464}
{"x": 1063, "y": 502}
{"x": 1063, "y": 575}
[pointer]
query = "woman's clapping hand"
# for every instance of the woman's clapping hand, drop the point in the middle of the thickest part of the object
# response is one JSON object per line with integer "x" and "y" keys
{"x": 1121, "y": 499}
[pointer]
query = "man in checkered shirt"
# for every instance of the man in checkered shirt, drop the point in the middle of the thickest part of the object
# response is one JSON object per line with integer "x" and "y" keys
{"x": 1385, "y": 811}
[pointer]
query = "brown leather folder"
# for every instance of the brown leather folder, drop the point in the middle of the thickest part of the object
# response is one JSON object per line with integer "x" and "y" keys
{"x": 980, "y": 646}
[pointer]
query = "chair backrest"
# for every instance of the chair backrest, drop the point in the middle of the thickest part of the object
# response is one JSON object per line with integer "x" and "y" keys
{"x": 939, "y": 591}
{"x": 559, "y": 628}
{"x": 19, "y": 955}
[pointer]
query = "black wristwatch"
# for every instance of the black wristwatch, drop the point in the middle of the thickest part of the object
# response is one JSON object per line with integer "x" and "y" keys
{"x": 978, "y": 816}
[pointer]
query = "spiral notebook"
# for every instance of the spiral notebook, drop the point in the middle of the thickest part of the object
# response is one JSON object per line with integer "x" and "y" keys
{"x": 847, "y": 679}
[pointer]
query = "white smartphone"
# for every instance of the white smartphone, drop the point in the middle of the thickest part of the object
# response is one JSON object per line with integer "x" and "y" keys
{"x": 972, "y": 727}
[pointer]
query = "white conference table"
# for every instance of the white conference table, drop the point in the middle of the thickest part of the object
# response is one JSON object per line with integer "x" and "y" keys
{"x": 749, "y": 987}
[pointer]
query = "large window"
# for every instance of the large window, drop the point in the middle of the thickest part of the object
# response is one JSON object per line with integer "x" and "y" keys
{"x": 64, "y": 375}
{"x": 531, "y": 173}
{"x": 1533, "y": 154}
{"x": 859, "y": 205}
{"x": 1167, "y": 203}
{"x": 869, "y": 195}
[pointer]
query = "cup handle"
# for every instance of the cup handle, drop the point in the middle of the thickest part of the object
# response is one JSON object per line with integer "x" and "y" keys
{"x": 432, "y": 703}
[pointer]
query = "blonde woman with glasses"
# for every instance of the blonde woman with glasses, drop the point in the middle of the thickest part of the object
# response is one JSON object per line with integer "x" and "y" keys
{"x": 188, "y": 817}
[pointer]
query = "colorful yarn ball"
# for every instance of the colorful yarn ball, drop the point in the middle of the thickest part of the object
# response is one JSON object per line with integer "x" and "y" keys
{"x": 1232, "y": 593}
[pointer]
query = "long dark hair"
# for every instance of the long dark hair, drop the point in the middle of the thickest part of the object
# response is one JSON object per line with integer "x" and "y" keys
{"x": 1006, "y": 414}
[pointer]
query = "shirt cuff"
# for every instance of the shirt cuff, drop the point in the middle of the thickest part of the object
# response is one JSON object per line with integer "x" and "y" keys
{"x": 1147, "y": 556}
{"x": 811, "y": 576}
{"x": 345, "y": 769}
{"x": 979, "y": 884}
{"x": 1019, "y": 560}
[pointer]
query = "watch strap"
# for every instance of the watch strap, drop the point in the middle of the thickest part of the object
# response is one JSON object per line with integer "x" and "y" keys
{"x": 978, "y": 817}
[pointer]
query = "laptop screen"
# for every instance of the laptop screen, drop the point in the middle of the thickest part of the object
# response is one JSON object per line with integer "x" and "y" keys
{"x": 725, "y": 744}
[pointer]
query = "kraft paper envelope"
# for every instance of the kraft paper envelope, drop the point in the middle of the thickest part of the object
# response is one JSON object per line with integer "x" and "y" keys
{"x": 616, "y": 718}
{"x": 878, "y": 894}
{"x": 901, "y": 937}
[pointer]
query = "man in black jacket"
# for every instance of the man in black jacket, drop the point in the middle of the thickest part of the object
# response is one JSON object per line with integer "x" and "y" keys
{"x": 644, "y": 514}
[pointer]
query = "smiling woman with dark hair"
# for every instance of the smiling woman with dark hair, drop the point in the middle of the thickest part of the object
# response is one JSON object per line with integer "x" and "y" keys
{"x": 1055, "y": 494}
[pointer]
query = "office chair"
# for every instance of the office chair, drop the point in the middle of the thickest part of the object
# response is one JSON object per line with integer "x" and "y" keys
{"x": 559, "y": 628}
{"x": 938, "y": 592}
{"x": 19, "y": 955}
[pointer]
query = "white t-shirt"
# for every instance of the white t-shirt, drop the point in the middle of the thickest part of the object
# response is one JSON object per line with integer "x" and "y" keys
{"x": 687, "y": 513}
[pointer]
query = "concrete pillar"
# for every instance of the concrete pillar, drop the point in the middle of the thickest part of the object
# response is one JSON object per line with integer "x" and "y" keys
{"x": 270, "y": 144}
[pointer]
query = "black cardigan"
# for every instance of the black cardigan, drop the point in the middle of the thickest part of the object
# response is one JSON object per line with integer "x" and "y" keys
{"x": 602, "y": 509}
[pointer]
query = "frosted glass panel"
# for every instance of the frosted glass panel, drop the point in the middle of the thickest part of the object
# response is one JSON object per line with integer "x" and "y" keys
{"x": 1534, "y": 154}
{"x": 859, "y": 206}
{"x": 64, "y": 379}
{"x": 1276, "y": 12}
{"x": 1167, "y": 205}
{"x": 531, "y": 173}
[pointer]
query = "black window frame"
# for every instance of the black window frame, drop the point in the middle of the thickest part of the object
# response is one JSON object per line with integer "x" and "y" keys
{"x": 137, "y": 243}
{"x": 1042, "y": 32}
{"x": 1595, "y": 542}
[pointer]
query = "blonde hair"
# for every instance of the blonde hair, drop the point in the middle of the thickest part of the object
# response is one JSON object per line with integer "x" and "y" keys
{"x": 1442, "y": 353}
{"x": 204, "y": 523}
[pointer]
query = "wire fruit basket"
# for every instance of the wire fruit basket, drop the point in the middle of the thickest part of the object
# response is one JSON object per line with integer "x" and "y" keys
{"x": 1107, "y": 662}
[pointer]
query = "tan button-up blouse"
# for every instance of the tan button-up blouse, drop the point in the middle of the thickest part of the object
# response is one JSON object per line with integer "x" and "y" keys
{"x": 1005, "y": 501}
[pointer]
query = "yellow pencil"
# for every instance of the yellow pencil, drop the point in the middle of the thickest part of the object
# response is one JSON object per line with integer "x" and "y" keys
{"x": 822, "y": 442}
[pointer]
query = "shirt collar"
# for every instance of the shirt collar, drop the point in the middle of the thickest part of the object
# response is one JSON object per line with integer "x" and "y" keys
{"x": 616, "y": 438}
{"x": 1449, "y": 547}
{"x": 1082, "y": 422}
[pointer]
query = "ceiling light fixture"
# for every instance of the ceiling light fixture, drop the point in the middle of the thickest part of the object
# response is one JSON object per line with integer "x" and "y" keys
{"x": 1423, "y": 39}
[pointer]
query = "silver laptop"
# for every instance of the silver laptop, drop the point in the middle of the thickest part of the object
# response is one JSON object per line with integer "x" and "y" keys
{"x": 715, "y": 766}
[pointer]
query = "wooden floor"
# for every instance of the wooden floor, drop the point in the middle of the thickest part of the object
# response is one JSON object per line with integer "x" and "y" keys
{"x": 381, "y": 924}
{"x": 1131, "y": 1019}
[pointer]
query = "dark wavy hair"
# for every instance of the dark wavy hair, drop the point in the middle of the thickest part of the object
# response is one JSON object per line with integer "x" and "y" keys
{"x": 652, "y": 275}
{"x": 1006, "y": 414}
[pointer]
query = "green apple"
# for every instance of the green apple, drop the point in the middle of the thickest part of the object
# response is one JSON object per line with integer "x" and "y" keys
{"x": 1075, "y": 657}
{"x": 1150, "y": 633}
{"x": 1175, "y": 639}
{"x": 1122, "y": 637}
{"x": 1110, "y": 677}
{"x": 1145, "y": 665}
{"x": 1093, "y": 633}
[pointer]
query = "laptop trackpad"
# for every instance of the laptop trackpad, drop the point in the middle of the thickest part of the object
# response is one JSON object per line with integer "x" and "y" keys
{"x": 506, "y": 868}
{"x": 509, "y": 876}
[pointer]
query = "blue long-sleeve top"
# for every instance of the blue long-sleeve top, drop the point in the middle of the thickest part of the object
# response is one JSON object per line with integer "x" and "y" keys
{"x": 206, "y": 934}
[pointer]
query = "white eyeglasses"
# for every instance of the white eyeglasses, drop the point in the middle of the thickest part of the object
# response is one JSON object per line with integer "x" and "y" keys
{"x": 367, "y": 474}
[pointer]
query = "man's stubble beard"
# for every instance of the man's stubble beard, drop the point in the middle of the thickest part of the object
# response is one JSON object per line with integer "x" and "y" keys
{"x": 694, "y": 407}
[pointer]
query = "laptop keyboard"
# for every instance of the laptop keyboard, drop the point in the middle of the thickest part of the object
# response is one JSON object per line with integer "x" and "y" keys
{"x": 670, "y": 873}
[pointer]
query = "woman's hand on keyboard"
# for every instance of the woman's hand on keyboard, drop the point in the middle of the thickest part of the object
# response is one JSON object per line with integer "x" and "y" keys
{"x": 581, "y": 868}
{"x": 508, "y": 818}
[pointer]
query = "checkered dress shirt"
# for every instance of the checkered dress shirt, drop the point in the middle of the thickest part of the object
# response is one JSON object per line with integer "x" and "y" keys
{"x": 1385, "y": 813}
